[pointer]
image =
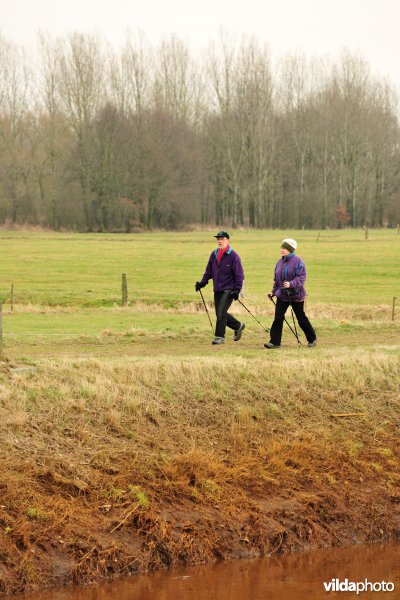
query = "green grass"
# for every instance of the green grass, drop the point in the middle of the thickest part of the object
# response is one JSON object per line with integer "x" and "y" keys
{"x": 177, "y": 335}
{"x": 67, "y": 291}
{"x": 86, "y": 269}
{"x": 95, "y": 321}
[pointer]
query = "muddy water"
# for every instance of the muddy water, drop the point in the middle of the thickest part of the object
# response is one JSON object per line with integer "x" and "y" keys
{"x": 299, "y": 576}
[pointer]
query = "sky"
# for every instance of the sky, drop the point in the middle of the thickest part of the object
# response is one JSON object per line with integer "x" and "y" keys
{"x": 321, "y": 28}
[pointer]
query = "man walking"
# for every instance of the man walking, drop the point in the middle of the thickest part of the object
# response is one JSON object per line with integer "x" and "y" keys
{"x": 225, "y": 269}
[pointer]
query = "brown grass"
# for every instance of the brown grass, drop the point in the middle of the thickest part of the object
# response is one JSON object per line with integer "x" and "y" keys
{"x": 110, "y": 468}
{"x": 329, "y": 311}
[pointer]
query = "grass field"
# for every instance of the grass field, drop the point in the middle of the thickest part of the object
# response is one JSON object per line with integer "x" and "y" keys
{"x": 67, "y": 289}
{"x": 85, "y": 270}
{"x": 134, "y": 444}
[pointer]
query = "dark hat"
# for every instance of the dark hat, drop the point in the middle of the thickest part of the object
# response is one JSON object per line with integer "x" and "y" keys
{"x": 222, "y": 234}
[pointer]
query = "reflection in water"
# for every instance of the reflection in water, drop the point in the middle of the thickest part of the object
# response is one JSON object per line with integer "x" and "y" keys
{"x": 297, "y": 576}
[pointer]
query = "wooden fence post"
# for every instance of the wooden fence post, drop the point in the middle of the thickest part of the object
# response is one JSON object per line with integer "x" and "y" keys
{"x": 124, "y": 290}
{"x": 393, "y": 307}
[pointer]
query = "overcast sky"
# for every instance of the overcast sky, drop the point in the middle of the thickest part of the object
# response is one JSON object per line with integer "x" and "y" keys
{"x": 314, "y": 27}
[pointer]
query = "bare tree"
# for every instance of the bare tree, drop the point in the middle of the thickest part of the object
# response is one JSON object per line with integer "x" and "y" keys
{"x": 384, "y": 157}
{"x": 14, "y": 107}
{"x": 256, "y": 85}
{"x": 52, "y": 136}
{"x": 177, "y": 84}
{"x": 227, "y": 133}
{"x": 297, "y": 88}
{"x": 82, "y": 89}
{"x": 131, "y": 74}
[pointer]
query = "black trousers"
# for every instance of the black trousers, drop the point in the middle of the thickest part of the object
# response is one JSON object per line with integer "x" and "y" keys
{"x": 277, "y": 326}
{"x": 222, "y": 301}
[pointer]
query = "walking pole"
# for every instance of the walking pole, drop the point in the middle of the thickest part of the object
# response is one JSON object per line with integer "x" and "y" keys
{"x": 295, "y": 328}
{"x": 265, "y": 329}
{"x": 288, "y": 324}
{"x": 208, "y": 314}
{"x": 294, "y": 322}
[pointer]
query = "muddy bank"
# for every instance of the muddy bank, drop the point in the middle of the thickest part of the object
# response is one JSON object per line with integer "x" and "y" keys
{"x": 109, "y": 469}
{"x": 182, "y": 534}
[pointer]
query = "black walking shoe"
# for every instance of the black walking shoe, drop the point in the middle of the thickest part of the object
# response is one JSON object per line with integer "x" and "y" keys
{"x": 312, "y": 344}
{"x": 238, "y": 333}
{"x": 270, "y": 346}
{"x": 218, "y": 340}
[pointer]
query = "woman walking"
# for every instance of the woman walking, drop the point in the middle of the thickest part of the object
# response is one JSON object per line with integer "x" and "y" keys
{"x": 289, "y": 278}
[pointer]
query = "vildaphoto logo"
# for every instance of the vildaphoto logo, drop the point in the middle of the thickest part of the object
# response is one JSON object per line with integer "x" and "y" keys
{"x": 337, "y": 585}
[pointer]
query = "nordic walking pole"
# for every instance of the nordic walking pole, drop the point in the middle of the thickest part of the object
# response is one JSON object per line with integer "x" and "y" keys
{"x": 287, "y": 323}
{"x": 295, "y": 328}
{"x": 265, "y": 329}
{"x": 208, "y": 314}
{"x": 294, "y": 322}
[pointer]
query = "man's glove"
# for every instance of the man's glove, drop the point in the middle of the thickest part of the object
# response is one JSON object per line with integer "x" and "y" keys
{"x": 198, "y": 285}
{"x": 235, "y": 294}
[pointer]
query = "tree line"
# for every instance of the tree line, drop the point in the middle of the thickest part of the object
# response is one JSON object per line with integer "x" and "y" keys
{"x": 95, "y": 139}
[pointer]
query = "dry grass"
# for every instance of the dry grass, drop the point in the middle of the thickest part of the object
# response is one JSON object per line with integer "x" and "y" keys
{"x": 260, "y": 306}
{"x": 33, "y": 309}
{"x": 133, "y": 464}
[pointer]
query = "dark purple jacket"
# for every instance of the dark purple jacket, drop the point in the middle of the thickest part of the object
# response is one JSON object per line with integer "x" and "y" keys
{"x": 290, "y": 268}
{"x": 228, "y": 274}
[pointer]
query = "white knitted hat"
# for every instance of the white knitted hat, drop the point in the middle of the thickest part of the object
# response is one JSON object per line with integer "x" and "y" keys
{"x": 289, "y": 244}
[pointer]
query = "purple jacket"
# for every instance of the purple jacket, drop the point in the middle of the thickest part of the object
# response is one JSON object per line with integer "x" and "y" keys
{"x": 228, "y": 274}
{"x": 290, "y": 268}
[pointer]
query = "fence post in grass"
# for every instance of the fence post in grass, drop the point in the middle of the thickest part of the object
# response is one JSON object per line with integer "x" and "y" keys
{"x": 393, "y": 307}
{"x": 124, "y": 290}
{"x": 1, "y": 328}
{"x": 12, "y": 297}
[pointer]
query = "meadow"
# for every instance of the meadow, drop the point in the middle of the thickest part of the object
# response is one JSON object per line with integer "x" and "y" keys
{"x": 131, "y": 443}
{"x": 85, "y": 270}
{"x": 67, "y": 288}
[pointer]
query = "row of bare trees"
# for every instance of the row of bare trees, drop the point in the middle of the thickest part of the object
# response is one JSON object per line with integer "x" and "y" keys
{"x": 147, "y": 137}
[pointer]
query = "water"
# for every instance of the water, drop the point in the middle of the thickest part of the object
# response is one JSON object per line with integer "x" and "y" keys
{"x": 299, "y": 576}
